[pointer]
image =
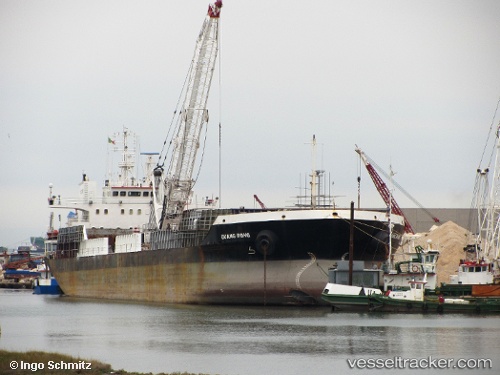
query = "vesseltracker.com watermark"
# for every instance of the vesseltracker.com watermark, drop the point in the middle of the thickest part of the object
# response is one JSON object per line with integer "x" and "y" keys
{"x": 420, "y": 363}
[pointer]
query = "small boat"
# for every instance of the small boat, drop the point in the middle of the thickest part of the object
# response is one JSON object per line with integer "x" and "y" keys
{"x": 45, "y": 283}
{"x": 348, "y": 297}
{"x": 414, "y": 300}
{"x": 474, "y": 277}
{"x": 20, "y": 271}
{"x": 46, "y": 286}
{"x": 374, "y": 281}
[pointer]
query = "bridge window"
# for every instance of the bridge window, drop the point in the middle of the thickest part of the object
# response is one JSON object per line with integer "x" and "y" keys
{"x": 123, "y": 193}
{"x": 97, "y": 211}
{"x": 145, "y": 193}
{"x": 105, "y": 211}
{"x": 134, "y": 193}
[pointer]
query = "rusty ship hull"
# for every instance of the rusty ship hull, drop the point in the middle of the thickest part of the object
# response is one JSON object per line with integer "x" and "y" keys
{"x": 161, "y": 276}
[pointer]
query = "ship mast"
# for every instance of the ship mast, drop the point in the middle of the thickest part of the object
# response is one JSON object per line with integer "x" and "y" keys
{"x": 127, "y": 145}
{"x": 172, "y": 188}
{"x": 313, "y": 173}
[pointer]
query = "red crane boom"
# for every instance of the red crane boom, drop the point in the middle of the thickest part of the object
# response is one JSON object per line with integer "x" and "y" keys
{"x": 261, "y": 204}
{"x": 384, "y": 190}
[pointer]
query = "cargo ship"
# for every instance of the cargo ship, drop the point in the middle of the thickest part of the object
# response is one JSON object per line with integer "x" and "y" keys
{"x": 185, "y": 253}
{"x": 242, "y": 257}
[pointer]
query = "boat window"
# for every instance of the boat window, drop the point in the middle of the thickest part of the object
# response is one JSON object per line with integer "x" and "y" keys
{"x": 105, "y": 211}
{"x": 97, "y": 211}
{"x": 145, "y": 193}
{"x": 139, "y": 212}
{"x": 478, "y": 269}
{"x": 484, "y": 268}
{"x": 115, "y": 193}
{"x": 122, "y": 211}
{"x": 134, "y": 193}
{"x": 131, "y": 211}
{"x": 123, "y": 193}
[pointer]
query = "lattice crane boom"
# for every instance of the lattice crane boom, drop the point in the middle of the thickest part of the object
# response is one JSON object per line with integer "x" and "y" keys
{"x": 175, "y": 186}
{"x": 261, "y": 204}
{"x": 384, "y": 190}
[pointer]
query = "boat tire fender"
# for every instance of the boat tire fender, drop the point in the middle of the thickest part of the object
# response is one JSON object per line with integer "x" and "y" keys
{"x": 266, "y": 241}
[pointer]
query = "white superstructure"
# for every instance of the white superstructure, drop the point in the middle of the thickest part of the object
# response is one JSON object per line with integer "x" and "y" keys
{"x": 123, "y": 202}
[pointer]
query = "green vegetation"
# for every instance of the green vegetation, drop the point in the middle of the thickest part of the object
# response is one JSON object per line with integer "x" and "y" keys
{"x": 56, "y": 364}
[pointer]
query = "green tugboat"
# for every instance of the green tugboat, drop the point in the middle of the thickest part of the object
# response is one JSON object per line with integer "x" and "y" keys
{"x": 414, "y": 300}
{"x": 371, "y": 282}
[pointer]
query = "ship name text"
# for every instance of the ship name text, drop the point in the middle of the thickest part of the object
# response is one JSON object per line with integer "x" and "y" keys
{"x": 234, "y": 236}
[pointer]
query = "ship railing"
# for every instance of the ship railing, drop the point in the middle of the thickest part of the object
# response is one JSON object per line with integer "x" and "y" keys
{"x": 71, "y": 235}
{"x": 201, "y": 219}
{"x": 63, "y": 254}
{"x": 78, "y": 203}
{"x": 169, "y": 239}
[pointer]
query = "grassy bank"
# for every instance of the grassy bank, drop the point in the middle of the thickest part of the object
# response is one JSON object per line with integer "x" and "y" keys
{"x": 17, "y": 363}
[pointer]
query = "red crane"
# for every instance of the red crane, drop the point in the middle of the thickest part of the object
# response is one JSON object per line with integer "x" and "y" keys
{"x": 384, "y": 191}
{"x": 261, "y": 204}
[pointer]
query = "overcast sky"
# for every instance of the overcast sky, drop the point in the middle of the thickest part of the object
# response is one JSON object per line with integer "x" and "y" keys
{"x": 415, "y": 84}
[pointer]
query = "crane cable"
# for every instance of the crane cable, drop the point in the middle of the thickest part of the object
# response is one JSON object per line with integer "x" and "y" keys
{"x": 176, "y": 110}
{"x": 481, "y": 172}
{"x": 381, "y": 170}
{"x": 488, "y": 138}
{"x": 206, "y": 125}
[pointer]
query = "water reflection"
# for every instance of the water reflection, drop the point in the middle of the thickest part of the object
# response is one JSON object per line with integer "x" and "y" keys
{"x": 234, "y": 340}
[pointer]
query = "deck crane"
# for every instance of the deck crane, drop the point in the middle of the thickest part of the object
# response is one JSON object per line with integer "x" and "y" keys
{"x": 401, "y": 189}
{"x": 261, "y": 204}
{"x": 383, "y": 190}
{"x": 173, "y": 187}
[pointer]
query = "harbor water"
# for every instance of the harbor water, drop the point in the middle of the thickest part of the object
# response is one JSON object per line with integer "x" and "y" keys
{"x": 245, "y": 340}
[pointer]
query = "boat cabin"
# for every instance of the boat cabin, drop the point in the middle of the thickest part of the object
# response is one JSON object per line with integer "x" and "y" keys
{"x": 475, "y": 272}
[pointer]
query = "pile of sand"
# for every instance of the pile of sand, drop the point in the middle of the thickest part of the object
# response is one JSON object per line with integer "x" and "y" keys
{"x": 450, "y": 239}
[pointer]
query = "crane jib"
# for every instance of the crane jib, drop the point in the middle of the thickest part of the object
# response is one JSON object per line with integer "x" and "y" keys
{"x": 174, "y": 188}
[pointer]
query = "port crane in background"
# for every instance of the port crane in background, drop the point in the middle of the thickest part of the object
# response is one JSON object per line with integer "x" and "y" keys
{"x": 172, "y": 188}
{"x": 400, "y": 188}
{"x": 261, "y": 204}
{"x": 383, "y": 189}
